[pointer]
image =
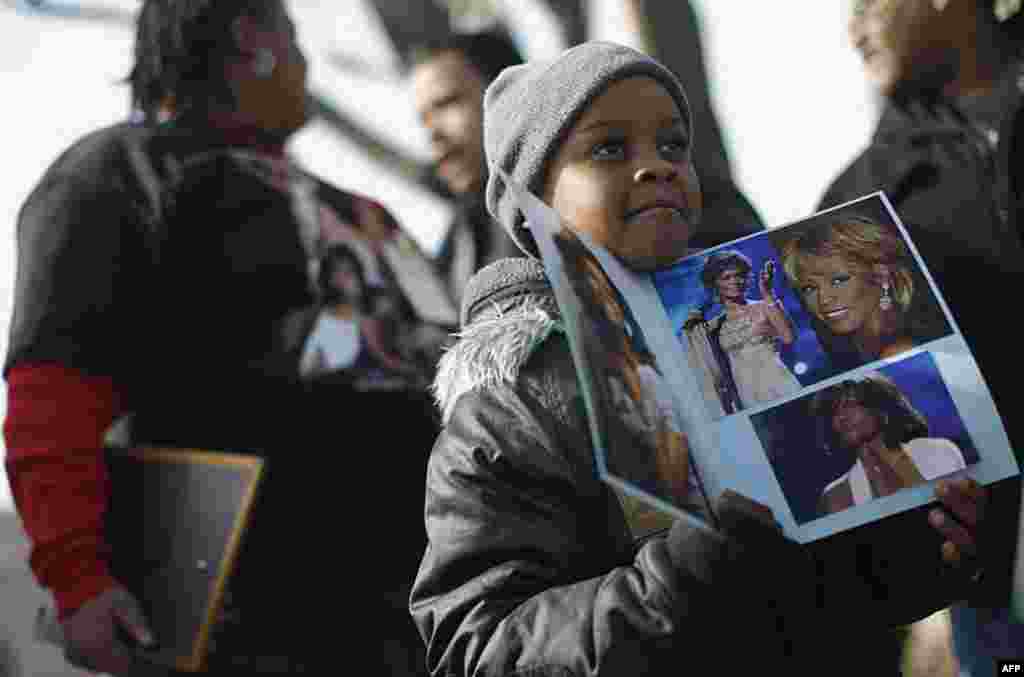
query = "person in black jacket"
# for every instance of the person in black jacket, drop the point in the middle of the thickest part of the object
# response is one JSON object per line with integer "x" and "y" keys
{"x": 532, "y": 566}
{"x": 947, "y": 153}
{"x": 160, "y": 266}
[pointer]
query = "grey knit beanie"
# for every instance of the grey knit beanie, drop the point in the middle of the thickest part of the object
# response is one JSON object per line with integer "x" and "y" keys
{"x": 530, "y": 109}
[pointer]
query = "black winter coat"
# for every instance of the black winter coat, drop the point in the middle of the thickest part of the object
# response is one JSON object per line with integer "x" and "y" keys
{"x": 954, "y": 174}
{"x": 154, "y": 256}
{"x": 532, "y": 568}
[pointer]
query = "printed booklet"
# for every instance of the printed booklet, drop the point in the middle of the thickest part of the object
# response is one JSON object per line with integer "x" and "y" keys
{"x": 814, "y": 368}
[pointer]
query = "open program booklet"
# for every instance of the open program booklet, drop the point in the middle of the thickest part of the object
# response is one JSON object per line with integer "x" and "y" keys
{"x": 814, "y": 368}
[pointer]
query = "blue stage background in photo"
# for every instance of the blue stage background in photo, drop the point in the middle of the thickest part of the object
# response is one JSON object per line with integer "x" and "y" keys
{"x": 681, "y": 291}
{"x": 793, "y": 441}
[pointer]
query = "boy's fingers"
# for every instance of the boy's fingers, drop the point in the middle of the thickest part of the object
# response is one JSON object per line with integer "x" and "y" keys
{"x": 965, "y": 499}
{"x": 734, "y": 510}
{"x": 957, "y": 537}
{"x": 951, "y": 554}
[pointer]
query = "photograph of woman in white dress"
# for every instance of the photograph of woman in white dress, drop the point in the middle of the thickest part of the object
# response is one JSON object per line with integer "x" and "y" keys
{"x": 865, "y": 437}
{"x": 352, "y": 337}
{"x": 736, "y": 352}
{"x": 887, "y": 438}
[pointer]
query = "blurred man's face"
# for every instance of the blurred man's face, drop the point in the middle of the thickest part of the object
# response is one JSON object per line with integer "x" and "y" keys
{"x": 448, "y": 94}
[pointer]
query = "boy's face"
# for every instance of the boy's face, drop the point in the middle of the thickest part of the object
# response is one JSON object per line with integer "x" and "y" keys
{"x": 625, "y": 178}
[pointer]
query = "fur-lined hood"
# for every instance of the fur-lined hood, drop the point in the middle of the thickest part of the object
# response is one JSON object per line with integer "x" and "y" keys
{"x": 508, "y": 311}
{"x": 492, "y": 349}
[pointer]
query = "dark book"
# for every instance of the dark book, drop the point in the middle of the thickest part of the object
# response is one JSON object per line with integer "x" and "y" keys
{"x": 175, "y": 523}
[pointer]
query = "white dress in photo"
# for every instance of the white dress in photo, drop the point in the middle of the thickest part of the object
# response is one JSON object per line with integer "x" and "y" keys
{"x": 333, "y": 344}
{"x": 933, "y": 457}
{"x": 751, "y": 344}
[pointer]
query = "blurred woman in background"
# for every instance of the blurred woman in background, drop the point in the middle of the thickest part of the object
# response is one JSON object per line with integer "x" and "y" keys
{"x": 948, "y": 153}
{"x": 158, "y": 265}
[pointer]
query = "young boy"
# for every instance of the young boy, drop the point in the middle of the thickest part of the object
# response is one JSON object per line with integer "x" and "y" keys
{"x": 531, "y": 566}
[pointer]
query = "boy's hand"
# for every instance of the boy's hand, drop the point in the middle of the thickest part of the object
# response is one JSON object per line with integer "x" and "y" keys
{"x": 962, "y": 511}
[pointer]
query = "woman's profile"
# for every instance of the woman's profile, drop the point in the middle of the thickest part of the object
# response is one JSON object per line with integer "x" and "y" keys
{"x": 737, "y": 352}
{"x": 886, "y": 437}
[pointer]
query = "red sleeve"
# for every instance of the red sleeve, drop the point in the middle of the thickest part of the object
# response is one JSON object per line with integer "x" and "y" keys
{"x": 56, "y": 420}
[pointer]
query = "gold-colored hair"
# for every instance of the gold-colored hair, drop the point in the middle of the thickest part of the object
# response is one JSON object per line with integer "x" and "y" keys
{"x": 859, "y": 241}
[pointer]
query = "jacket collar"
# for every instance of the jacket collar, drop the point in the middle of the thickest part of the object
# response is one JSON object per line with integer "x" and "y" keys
{"x": 916, "y": 130}
{"x": 912, "y": 121}
{"x": 508, "y": 311}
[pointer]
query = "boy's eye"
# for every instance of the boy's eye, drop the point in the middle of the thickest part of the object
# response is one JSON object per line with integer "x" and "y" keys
{"x": 674, "y": 147}
{"x": 840, "y": 280}
{"x": 807, "y": 290}
{"x": 609, "y": 150}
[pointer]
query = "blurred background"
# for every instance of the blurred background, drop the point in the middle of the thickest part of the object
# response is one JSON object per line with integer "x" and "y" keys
{"x": 786, "y": 99}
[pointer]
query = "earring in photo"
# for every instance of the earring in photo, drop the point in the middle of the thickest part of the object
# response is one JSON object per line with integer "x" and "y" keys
{"x": 264, "y": 62}
{"x": 885, "y": 302}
